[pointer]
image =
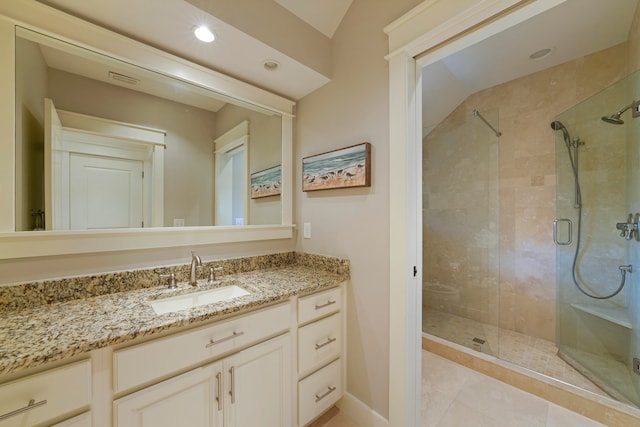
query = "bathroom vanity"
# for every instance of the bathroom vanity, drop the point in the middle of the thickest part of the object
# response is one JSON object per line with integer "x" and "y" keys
{"x": 272, "y": 357}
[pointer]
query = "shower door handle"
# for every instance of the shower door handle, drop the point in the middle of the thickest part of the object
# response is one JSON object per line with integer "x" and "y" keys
{"x": 555, "y": 231}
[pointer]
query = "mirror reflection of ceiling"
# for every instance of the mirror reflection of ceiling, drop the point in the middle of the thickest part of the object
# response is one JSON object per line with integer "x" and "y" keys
{"x": 572, "y": 29}
{"x": 305, "y": 60}
{"x": 130, "y": 77}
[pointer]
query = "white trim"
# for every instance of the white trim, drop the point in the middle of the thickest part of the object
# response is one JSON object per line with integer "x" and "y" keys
{"x": 237, "y": 132}
{"x": 363, "y": 415}
{"x": 424, "y": 28}
{"x": 404, "y": 319}
{"x": 36, "y": 243}
{"x": 101, "y": 126}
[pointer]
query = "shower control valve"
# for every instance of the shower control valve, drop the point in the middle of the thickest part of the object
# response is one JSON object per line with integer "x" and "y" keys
{"x": 629, "y": 229}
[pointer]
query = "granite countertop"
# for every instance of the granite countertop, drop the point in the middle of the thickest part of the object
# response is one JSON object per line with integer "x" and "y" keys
{"x": 37, "y": 335}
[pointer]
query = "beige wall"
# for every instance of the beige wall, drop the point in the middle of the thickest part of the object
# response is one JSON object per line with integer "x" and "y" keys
{"x": 31, "y": 87}
{"x": 265, "y": 141}
{"x": 354, "y": 223}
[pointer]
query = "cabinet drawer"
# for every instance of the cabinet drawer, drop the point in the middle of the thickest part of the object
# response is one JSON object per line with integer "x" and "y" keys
{"x": 319, "y": 343}
{"x": 64, "y": 389}
{"x": 146, "y": 362}
{"x": 318, "y": 392}
{"x": 317, "y": 305}
{"x": 82, "y": 420}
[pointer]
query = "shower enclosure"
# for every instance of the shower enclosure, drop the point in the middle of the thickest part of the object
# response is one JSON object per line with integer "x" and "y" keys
{"x": 597, "y": 198}
{"x": 461, "y": 232}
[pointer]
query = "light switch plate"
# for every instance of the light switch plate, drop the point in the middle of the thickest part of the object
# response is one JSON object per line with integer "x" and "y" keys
{"x": 306, "y": 232}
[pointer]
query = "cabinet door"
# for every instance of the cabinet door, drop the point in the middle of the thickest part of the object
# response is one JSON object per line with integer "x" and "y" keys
{"x": 189, "y": 399}
{"x": 259, "y": 385}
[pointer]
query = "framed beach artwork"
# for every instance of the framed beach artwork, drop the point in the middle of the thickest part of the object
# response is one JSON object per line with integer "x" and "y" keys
{"x": 343, "y": 168}
{"x": 266, "y": 183}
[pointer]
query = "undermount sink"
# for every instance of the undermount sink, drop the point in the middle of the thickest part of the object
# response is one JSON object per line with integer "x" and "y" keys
{"x": 197, "y": 299}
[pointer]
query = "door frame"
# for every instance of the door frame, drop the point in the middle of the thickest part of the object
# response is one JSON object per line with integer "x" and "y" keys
{"x": 431, "y": 31}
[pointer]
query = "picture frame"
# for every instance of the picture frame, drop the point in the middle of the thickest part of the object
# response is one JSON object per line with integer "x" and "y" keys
{"x": 266, "y": 183}
{"x": 346, "y": 167}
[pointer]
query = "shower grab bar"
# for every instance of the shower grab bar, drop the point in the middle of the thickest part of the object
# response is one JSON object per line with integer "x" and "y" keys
{"x": 555, "y": 231}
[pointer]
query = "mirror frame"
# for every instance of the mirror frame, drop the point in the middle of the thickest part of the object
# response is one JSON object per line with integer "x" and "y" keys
{"x": 46, "y": 20}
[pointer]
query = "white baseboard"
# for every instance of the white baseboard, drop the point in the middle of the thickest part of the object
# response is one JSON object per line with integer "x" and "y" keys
{"x": 355, "y": 409}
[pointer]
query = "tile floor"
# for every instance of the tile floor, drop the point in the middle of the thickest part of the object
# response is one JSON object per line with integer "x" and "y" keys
{"x": 529, "y": 352}
{"x": 456, "y": 396}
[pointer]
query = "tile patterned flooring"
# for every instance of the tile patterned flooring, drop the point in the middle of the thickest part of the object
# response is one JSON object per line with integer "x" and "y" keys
{"x": 529, "y": 352}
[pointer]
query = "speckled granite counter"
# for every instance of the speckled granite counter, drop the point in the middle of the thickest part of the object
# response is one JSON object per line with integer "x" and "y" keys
{"x": 42, "y": 333}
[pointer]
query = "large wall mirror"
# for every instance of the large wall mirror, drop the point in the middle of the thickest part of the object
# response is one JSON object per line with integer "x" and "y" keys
{"x": 106, "y": 163}
{"x": 127, "y": 149}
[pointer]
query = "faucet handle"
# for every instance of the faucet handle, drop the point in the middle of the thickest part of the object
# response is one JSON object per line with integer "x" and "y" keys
{"x": 212, "y": 274}
{"x": 172, "y": 279}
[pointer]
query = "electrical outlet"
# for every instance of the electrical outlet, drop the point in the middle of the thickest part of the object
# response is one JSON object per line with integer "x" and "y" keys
{"x": 306, "y": 232}
{"x": 178, "y": 222}
{"x": 636, "y": 365}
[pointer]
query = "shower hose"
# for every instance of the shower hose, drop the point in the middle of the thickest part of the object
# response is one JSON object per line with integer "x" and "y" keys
{"x": 574, "y": 267}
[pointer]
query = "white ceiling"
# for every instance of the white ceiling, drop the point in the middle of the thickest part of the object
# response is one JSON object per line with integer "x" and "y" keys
{"x": 572, "y": 29}
{"x": 325, "y": 15}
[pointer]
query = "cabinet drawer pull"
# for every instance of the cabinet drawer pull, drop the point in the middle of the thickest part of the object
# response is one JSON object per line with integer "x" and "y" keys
{"x": 327, "y": 393}
{"x": 232, "y": 390}
{"x": 212, "y": 342}
{"x": 31, "y": 405}
{"x": 219, "y": 395}
{"x": 330, "y": 302}
{"x": 327, "y": 342}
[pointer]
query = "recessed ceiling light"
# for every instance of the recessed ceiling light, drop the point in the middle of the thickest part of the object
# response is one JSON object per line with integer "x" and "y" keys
{"x": 270, "y": 64}
{"x": 204, "y": 34}
{"x": 542, "y": 53}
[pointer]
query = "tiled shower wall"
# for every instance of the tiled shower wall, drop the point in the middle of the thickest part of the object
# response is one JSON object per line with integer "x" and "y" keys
{"x": 527, "y": 151}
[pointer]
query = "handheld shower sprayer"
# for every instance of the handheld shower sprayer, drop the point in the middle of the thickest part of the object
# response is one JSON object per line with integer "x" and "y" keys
{"x": 556, "y": 125}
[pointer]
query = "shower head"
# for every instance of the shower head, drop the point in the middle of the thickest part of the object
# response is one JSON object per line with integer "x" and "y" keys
{"x": 556, "y": 125}
{"x": 615, "y": 119}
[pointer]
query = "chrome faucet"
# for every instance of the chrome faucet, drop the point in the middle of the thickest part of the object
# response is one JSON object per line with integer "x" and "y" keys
{"x": 195, "y": 263}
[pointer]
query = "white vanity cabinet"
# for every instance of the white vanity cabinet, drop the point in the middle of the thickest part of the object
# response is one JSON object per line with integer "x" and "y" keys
{"x": 321, "y": 333}
{"x": 251, "y": 387}
{"x": 47, "y": 396}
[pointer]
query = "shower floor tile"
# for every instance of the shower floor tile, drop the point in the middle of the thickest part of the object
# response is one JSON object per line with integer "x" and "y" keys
{"x": 536, "y": 354}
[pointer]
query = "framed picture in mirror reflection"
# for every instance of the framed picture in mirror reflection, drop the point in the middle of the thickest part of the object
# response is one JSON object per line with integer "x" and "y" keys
{"x": 266, "y": 183}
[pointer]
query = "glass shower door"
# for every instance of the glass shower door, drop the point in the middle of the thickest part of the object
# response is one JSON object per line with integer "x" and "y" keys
{"x": 596, "y": 188}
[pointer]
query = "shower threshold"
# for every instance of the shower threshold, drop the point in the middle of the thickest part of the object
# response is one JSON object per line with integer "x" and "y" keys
{"x": 616, "y": 373}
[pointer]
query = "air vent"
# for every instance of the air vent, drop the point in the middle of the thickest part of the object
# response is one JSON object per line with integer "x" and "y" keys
{"x": 123, "y": 78}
